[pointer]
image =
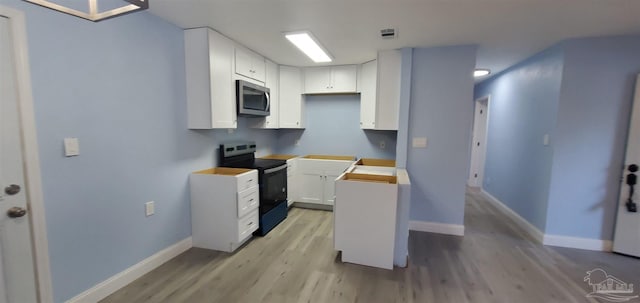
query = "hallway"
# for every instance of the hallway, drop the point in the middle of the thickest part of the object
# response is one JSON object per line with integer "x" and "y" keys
{"x": 494, "y": 262}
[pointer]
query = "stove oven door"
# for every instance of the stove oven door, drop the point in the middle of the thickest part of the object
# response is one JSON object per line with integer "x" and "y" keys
{"x": 273, "y": 188}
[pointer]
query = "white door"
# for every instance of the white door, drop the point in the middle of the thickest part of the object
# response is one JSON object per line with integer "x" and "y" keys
{"x": 478, "y": 148}
{"x": 330, "y": 187}
{"x": 344, "y": 78}
{"x": 627, "y": 236}
{"x": 317, "y": 80}
{"x": 17, "y": 282}
{"x": 311, "y": 187}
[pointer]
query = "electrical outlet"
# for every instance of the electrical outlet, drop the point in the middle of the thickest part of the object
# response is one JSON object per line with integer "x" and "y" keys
{"x": 382, "y": 144}
{"x": 149, "y": 208}
{"x": 71, "y": 147}
{"x": 230, "y": 130}
{"x": 419, "y": 142}
{"x": 297, "y": 142}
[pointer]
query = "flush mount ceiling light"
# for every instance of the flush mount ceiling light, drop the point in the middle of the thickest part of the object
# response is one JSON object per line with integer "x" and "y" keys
{"x": 308, "y": 45}
{"x": 481, "y": 72}
{"x": 128, "y": 6}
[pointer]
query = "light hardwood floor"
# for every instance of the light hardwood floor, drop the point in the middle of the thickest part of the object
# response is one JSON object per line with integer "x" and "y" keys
{"x": 494, "y": 262}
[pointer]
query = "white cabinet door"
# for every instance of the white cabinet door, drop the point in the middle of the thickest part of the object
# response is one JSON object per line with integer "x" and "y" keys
{"x": 368, "y": 87}
{"x": 249, "y": 64}
{"x": 209, "y": 74}
{"x": 311, "y": 187}
{"x": 330, "y": 187}
{"x": 344, "y": 79}
{"x": 272, "y": 82}
{"x": 317, "y": 80}
{"x": 291, "y": 99}
{"x": 388, "y": 94}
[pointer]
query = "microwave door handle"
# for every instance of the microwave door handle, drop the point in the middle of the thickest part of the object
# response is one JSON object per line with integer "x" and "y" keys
{"x": 266, "y": 94}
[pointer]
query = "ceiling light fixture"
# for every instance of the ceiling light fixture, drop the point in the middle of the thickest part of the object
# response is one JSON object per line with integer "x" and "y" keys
{"x": 93, "y": 14}
{"x": 309, "y": 45}
{"x": 481, "y": 72}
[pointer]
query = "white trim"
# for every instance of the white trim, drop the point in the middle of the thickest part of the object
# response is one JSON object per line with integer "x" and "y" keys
{"x": 438, "y": 228}
{"x": 528, "y": 227}
{"x": 30, "y": 151}
{"x": 111, "y": 285}
{"x": 546, "y": 239}
{"x": 580, "y": 243}
{"x": 481, "y": 155}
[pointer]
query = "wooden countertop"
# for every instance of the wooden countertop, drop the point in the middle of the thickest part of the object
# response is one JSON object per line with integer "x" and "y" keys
{"x": 330, "y": 157}
{"x": 279, "y": 157}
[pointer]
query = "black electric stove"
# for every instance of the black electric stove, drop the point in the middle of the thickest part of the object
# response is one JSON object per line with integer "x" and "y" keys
{"x": 272, "y": 179}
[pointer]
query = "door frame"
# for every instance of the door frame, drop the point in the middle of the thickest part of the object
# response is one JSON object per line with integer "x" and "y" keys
{"x": 483, "y": 155}
{"x": 31, "y": 158}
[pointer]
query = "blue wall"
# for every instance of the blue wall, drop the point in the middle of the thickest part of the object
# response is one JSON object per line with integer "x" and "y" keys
{"x": 589, "y": 145}
{"x": 522, "y": 108}
{"x": 119, "y": 86}
{"x": 440, "y": 110}
{"x": 333, "y": 127}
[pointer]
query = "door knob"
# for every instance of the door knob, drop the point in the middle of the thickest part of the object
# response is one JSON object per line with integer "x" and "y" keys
{"x": 16, "y": 212}
{"x": 12, "y": 189}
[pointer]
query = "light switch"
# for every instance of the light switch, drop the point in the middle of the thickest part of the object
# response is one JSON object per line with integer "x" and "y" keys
{"x": 545, "y": 139}
{"x": 419, "y": 142}
{"x": 71, "y": 147}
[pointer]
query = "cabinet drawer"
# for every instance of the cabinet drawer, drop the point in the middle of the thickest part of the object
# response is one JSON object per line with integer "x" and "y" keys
{"x": 247, "y": 201}
{"x": 247, "y": 181}
{"x": 247, "y": 225}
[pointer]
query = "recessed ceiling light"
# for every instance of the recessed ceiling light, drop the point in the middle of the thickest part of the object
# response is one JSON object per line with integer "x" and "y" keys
{"x": 308, "y": 45}
{"x": 481, "y": 72}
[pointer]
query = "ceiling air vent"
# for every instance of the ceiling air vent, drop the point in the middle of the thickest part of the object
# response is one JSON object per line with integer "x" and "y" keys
{"x": 388, "y": 33}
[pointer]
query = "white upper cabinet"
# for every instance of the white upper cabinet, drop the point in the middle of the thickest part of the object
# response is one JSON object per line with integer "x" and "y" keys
{"x": 380, "y": 91}
{"x": 331, "y": 79}
{"x": 209, "y": 72}
{"x": 272, "y": 82}
{"x": 368, "y": 88}
{"x": 250, "y": 64}
{"x": 291, "y": 101}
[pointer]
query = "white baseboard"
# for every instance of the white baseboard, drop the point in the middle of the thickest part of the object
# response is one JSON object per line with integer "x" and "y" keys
{"x": 528, "y": 227}
{"x": 438, "y": 228}
{"x": 550, "y": 240}
{"x": 581, "y": 243}
{"x": 111, "y": 285}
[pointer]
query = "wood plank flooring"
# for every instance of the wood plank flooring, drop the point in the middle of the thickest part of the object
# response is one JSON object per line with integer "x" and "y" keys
{"x": 495, "y": 261}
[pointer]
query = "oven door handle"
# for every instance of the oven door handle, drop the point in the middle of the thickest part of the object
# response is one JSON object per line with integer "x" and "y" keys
{"x": 275, "y": 169}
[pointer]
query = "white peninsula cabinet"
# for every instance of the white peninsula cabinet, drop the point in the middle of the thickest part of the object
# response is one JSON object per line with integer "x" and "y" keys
{"x": 316, "y": 175}
{"x": 224, "y": 207}
{"x": 365, "y": 219}
{"x": 292, "y": 104}
{"x": 209, "y": 58}
{"x": 331, "y": 79}
{"x": 380, "y": 91}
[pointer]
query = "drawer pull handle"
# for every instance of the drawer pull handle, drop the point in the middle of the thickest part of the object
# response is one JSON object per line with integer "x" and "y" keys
{"x": 250, "y": 223}
{"x": 250, "y": 200}
{"x": 250, "y": 180}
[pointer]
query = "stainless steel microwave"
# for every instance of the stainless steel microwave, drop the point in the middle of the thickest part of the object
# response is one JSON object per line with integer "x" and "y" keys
{"x": 252, "y": 100}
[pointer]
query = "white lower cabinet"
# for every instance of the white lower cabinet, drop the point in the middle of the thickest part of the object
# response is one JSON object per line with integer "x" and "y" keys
{"x": 317, "y": 174}
{"x": 365, "y": 219}
{"x": 224, "y": 207}
{"x": 292, "y": 182}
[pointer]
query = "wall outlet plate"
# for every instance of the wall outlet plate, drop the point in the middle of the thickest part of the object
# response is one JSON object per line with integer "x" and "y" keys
{"x": 419, "y": 142}
{"x": 71, "y": 147}
{"x": 149, "y": 208}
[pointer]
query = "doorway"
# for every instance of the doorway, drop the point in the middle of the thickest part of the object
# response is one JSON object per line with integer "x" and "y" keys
{"x": 478, "y": 143}
{"x": 24, "y": 259}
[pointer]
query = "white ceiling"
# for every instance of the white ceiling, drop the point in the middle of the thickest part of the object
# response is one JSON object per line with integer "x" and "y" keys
{"x": 506, "y": 31}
